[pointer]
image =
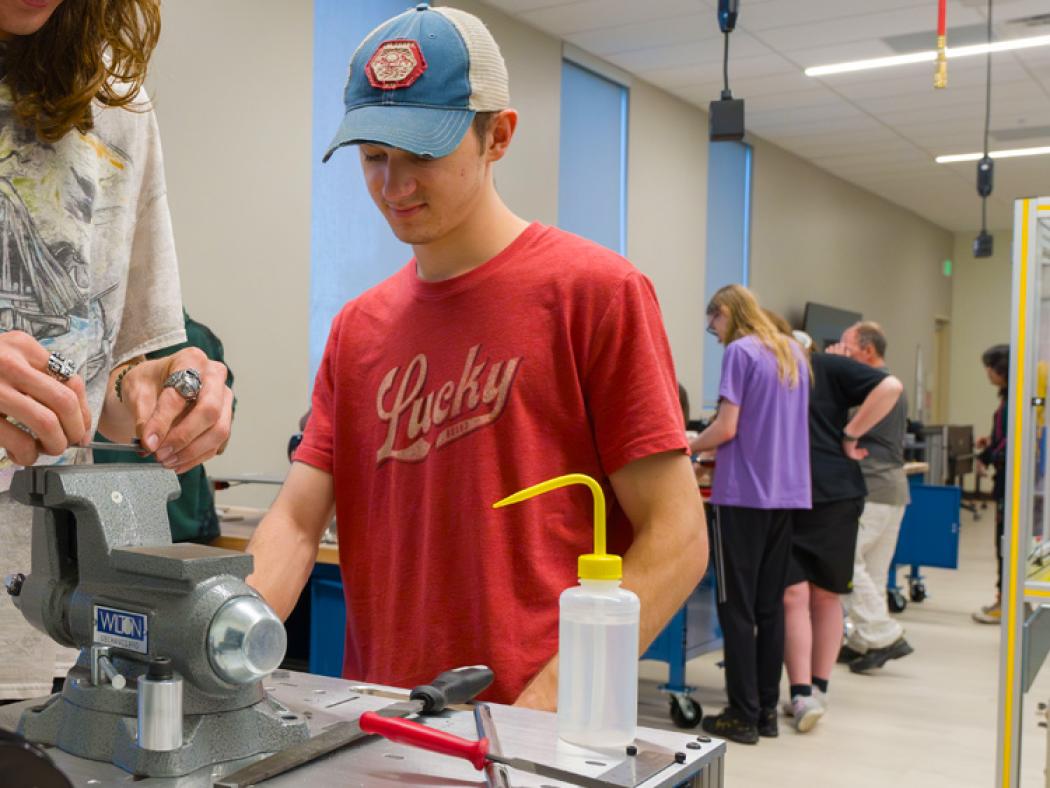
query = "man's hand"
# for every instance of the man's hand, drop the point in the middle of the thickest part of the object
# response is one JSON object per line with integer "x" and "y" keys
{"x": 838, "y": 349}
{"x": 852, "y": 450}
{"x": 56, "y": 413}
{"x": 980, "y": 469}
{"x": 542, "y": 692}
{"x": 182, "y": 433}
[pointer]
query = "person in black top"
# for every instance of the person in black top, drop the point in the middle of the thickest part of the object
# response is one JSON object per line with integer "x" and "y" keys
{"x": 996, "y": 361}
{"x": 824, "y": 538}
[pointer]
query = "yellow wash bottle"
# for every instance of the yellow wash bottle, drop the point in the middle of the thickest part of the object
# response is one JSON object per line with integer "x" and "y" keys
{"x": 597, "y": 639}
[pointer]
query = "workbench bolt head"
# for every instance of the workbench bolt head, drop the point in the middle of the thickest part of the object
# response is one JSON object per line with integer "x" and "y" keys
{"x": 679, "y": 757}
{"x": 704, "y": 739}
{"x": 632, "y": 750}
{"x": 13, "y": 583}
{"x": 694, "y": 745}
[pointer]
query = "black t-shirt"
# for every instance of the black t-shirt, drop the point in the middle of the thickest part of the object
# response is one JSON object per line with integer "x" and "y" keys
{"x": 839, "y": 383}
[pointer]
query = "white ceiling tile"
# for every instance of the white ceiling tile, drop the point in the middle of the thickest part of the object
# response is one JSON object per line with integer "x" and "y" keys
{"x": 805, "y": 115}
{"x": 917, "y": 18}
{"x": 956, "y": 95}
{"x": 789, "y": 100}
{"x": 1004, "y": 113}
{"x": 1006, "y": 10}
{"x": 783, "y": 13}
{"x": 741, "y": 74}
{"x": 519, "y": 6}
{"x": 577, "y": 17}
{"x": 708, "y": 50}
{"x": 693, "y": 29}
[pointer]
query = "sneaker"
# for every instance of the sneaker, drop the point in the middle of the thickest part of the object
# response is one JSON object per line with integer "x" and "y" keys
{"x": 731, "y": 725}
{"x": 806, "y": 710}
{"x": 847, "y": 654}
{"x": 877, "y": 657}
{"x": 767, "y": 723}
{"x": 989, "y": 614}
{"x": 820, "y": 697}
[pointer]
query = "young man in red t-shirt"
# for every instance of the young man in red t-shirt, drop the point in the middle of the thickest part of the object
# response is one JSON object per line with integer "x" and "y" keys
{"x": 503, "y": 354}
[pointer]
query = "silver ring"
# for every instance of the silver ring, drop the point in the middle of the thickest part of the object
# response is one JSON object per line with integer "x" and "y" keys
{"x": 186, "y": 382}
{"x": 60, "y": 368}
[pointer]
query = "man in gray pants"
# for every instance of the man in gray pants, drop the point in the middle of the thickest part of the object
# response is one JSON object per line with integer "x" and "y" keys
{"x": 875, "y": 637}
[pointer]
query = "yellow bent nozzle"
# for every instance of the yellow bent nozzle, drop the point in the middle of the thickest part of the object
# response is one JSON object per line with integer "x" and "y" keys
{"x": 598, "y": 565}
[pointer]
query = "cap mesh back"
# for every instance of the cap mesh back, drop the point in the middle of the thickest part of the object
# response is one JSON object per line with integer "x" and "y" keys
{"x": 489, "y": 84}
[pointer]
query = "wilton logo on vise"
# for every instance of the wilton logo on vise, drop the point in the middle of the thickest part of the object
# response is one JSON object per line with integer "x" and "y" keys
{"x": 455, "y": 403}
{"x": 121, "y": 628}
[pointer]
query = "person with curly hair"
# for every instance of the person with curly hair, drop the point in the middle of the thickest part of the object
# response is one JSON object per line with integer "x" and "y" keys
{"x": 88, "y": 276}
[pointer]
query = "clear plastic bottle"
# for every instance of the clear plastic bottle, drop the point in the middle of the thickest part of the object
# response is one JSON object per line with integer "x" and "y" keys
{"x": 598, "y": 664}
{"x": 597, "y": 638}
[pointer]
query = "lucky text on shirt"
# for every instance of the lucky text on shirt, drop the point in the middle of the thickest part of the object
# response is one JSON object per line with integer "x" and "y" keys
{"x": 456, "y": 404}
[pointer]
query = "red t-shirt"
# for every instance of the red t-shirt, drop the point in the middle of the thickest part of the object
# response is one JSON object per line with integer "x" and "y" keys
{"x": 436, "y": 399}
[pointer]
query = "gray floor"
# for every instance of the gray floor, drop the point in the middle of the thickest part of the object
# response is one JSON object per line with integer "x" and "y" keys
{"x": 927, "y": 720}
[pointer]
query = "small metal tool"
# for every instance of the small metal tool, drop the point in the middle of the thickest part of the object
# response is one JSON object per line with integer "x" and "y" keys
{"x": 495, "y": 774}
{"x": 479, "y": 755}
{"x": 135, "y": 445}
{"x": 451, "y": 687}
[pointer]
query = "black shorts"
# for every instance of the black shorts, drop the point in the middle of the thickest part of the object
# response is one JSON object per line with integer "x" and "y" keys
{"x": 824, "y": 543}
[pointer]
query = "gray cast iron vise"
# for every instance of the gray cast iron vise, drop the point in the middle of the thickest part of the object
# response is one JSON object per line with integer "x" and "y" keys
{"x": 173, "y": 643}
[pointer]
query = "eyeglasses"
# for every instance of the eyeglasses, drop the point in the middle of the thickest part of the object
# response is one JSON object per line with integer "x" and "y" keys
{"x": 710, "y": 327}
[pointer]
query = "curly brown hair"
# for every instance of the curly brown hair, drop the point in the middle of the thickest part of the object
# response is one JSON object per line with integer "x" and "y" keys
{"x": 88, "y": 50}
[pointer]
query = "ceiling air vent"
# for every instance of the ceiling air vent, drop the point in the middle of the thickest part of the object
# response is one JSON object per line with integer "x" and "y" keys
{"x": 965, "y": 35}
{"x": 1036, "y": 20}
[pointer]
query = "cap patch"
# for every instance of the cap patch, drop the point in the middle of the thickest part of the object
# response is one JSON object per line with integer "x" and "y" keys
{"x": 395, "y": 64}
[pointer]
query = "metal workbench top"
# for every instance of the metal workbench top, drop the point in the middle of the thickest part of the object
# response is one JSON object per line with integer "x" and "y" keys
{"x": 376, "y": 762}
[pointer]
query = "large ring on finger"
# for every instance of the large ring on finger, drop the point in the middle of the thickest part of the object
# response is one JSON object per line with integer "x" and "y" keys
{"x": 60, "y": 368}
{"x": 186, "y": 382}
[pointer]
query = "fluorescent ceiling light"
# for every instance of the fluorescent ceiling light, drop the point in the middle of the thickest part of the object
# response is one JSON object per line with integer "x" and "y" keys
{"x": 928, "y": 56}
{"x": 995, "y": 154}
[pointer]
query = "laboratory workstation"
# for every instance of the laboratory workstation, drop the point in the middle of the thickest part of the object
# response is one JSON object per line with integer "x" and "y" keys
{"x": 530, "y": 393}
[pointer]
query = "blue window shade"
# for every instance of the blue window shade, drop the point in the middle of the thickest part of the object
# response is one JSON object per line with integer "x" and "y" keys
{"x": 728, "y": 239}
{"x": 592, "y": 164}
{"x": 351, "y": 245}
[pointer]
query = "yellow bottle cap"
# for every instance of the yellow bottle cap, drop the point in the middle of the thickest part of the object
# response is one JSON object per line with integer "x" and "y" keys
{"x": 598, "y": 565}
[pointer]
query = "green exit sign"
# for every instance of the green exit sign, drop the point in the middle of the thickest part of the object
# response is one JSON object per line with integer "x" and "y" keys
{"x": 947, "y": 268}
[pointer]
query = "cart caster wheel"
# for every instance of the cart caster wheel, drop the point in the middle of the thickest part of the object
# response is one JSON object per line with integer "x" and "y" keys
{"x": 685, "y": 712}
{"x": 918, "y": 592}
{"x": 896, "y": 601}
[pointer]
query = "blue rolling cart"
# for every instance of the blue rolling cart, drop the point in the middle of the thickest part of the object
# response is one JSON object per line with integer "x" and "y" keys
{"x": 693, "y": 631}
{"x": 929, "y": 536}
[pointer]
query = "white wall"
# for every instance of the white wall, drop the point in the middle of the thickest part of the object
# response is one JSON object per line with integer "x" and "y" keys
{"x": 981, "y": 318}
{"x": 667, "y": 209}
{"x": 815, "y": 237}
{"x": 231, "y": 82}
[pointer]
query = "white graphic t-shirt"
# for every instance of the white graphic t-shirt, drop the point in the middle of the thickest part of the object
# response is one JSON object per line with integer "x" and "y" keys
{"x": 88, "y": 267}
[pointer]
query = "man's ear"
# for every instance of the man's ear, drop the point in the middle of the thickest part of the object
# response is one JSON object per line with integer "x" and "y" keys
{"x": 501, "y": 132}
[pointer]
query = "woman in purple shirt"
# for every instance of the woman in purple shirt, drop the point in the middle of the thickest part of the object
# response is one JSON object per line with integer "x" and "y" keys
{"x": 762, "y": 473}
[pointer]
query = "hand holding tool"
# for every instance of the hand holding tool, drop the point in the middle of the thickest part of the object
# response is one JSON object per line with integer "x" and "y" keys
{"x": 449, "y": 688}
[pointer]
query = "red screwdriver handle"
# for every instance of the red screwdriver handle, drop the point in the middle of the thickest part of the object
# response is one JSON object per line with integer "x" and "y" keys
{"x": 412, "y": 733}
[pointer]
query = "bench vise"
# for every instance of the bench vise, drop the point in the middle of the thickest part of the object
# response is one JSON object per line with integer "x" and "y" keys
{"x": 173, "y": 643}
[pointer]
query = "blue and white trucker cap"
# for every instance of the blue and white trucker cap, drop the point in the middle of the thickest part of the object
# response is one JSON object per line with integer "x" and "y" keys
{"x": 417, "y": 81}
